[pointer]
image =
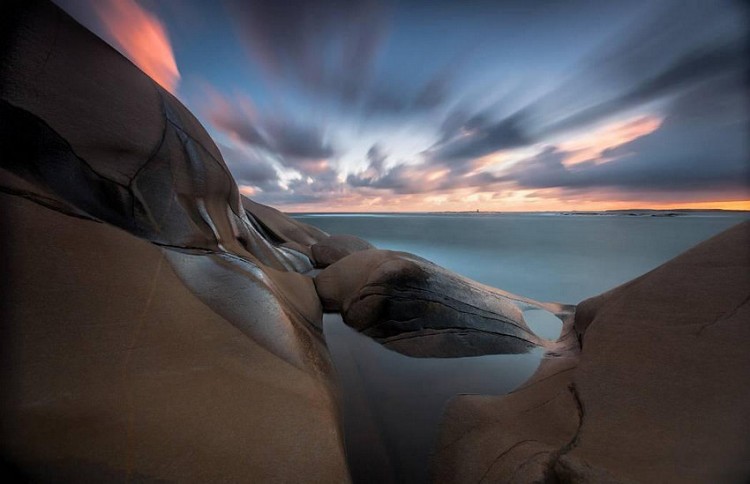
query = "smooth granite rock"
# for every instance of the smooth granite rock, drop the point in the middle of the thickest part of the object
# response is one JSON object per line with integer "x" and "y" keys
{"x": 335, "y": 247}
{"x": 417, "y": 308}
{"x": 281, "y": 227}
{"x": 151, "y": 330}
{"x": 113, "y": 369}
{"x": 113, "y": 142}
{"x": 658, "y": 391}
{"x": 157, "y": 326}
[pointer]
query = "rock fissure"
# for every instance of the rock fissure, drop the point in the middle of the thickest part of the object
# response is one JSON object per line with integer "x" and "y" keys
{"x": 362, "y": 297}
{"x": 503, "y": 454}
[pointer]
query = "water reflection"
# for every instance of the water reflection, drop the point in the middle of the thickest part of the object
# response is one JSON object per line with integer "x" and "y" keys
{"x": 543, "y": 323}
{"x": 392, "y": 403}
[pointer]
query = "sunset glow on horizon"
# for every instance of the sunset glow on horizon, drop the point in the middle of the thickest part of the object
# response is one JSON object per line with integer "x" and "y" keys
{"x": 429, "y": 107}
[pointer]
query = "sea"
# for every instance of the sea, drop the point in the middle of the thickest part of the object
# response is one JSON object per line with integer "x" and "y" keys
{"x": 391, "y": 404}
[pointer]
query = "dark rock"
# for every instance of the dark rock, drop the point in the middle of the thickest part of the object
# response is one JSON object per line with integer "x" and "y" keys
{"x": 420, "y": 309}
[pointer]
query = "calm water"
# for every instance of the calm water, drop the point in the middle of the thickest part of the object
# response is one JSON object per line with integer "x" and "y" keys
{"x": 392, "y": 403}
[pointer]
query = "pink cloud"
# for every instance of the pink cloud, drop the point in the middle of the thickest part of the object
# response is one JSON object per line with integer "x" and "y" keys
{"x": 591, "y": 146}
{"x": 142, "y": 37}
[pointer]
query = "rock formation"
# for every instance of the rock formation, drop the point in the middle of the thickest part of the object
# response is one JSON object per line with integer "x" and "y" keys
{"x": 417, "y": 308}
{"x": 336, "y": 247}
{"x": 651, "y": 385}
{"x": 158, "y": 326}
{"x": 152, "y": 327}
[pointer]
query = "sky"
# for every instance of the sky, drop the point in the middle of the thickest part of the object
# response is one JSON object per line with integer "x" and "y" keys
{"x": 507, "y": 105}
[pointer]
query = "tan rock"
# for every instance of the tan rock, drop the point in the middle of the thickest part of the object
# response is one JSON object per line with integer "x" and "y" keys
{"x": 336, "y": 247}
{"x": 149, "y": 330}
{"x": 282, "y": 227}
{"x": 114, "y": 143}
{"x": 660, "y": 388}
{"x": 113, "y": 369}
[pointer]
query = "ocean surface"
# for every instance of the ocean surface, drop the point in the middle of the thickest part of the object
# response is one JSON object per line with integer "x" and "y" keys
{"x": 391, "y": 403}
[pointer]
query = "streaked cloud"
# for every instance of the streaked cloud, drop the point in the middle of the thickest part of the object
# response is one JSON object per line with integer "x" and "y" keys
{"x": 328, "y": 48}
{"x": 292, "y": 144}
{"x": 379, "y": 105}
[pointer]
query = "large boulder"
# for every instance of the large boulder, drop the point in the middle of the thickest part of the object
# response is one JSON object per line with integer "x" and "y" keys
{"x": 106, "y": 137}
{"x": 150, "y": 330}
{"x": 335, "y": 247}
{"x": 657, "y": 391}
{"x": 114, "y": 369}
{"x": 281, "y": 227}
{"x": 415, "y": 307}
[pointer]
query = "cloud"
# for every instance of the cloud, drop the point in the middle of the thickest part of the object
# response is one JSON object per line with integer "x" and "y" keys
{"x": 294, "y": 140}
{"x": 416, "y": 178}
{"x": 677, "y": 157}
{"x": 323, "y": 188}
{"x": 327, "y": 47}
{"x": 392, "y": 99}
{"x": 330, "y": 51}
{"x": 249, "y": 169}
{"x": 467, "y": 137}
{"x": 142, "y": 37}
{"x": 693, "y": 68}
{"x": 479, "y": 136}
{"x": 698, "y": 76}
{"x": 291, "y": 143}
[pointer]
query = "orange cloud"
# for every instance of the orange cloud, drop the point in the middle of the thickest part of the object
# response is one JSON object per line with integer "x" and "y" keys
{"x": 248, "y": 190}
{"x": 467, "y": 199}
{"x": 142, "y": 38}
{"x": 591, "y": 146}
